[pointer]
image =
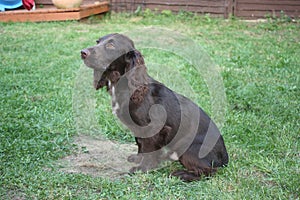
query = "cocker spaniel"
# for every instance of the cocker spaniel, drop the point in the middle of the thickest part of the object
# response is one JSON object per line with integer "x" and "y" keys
{"x": 166, "y": 125}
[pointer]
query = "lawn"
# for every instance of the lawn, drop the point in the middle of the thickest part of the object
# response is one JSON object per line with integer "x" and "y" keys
{"x": 41, "y": 83}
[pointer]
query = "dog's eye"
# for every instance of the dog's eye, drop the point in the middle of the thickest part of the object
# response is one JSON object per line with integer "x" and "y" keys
{"x": 110, "y": 45}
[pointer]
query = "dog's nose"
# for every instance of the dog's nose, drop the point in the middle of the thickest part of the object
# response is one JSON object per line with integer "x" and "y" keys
{"x": 85, "y": 53}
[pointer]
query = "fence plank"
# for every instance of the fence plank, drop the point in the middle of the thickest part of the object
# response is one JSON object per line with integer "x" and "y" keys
{"x": 264, "y": 7}
{"x": 229, "y": 8}
{"x": 197, "y": 9}
{"x": 261, "y": 8}
{"x": 263, "y": 14}
{"x": 271, "y": 2}
{"x": 187, "y": 3}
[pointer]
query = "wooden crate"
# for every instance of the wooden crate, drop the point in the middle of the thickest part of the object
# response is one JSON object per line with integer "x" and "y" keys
{"x": 50, "y": 13}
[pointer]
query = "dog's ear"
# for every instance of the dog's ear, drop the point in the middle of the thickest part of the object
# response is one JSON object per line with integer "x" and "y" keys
{"x": 102, "y": 82}
{"x": 134, "y": 59}
{"x": 136, "y": 74}
{"x": 114, "y": 76}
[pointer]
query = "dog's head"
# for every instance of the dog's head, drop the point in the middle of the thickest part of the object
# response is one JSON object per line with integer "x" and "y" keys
{"x": 109, "y": 54}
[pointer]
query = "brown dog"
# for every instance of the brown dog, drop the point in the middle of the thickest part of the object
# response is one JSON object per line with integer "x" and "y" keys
{"x": 166, "y": 125}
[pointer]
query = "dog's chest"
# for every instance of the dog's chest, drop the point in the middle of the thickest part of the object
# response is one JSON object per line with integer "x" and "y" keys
{"x": 114, "y": 102}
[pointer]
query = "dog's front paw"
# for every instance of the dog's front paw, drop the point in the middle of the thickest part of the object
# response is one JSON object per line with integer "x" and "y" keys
{"x": 136, "y": 169}
{"x": 135, "y": 158}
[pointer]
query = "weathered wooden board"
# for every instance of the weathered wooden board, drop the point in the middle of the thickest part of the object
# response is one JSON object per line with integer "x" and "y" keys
{"x": 51, "y": 13}
{"x": 262, "y": 8}
{"x": 215, "y": 7}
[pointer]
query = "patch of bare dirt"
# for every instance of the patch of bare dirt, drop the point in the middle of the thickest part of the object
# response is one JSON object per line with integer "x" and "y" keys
{"x": 99, "y": 157}
{"x": 14, "y": 195}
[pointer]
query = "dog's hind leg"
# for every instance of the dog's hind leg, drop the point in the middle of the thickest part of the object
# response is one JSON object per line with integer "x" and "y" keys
{"x": 185, "y": 175}
{"x": 196, "y": 168}
{"x": 194, "y": 175}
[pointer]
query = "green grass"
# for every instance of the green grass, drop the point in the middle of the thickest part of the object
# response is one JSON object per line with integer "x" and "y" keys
{"x": 260, "y": 66}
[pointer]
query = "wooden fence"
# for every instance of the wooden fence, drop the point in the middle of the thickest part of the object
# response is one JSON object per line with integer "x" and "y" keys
{"x": 248, "y": 9}
{"x": 214, "y": 7}
{"x": 261, "y": 8}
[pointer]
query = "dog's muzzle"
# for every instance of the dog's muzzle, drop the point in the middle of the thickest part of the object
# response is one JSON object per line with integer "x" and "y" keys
{"x": 85, "y": 53}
